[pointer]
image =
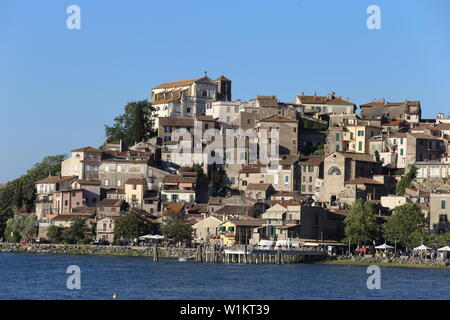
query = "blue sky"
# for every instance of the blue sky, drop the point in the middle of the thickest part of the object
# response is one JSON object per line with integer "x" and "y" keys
{"x": 59, "y": 87}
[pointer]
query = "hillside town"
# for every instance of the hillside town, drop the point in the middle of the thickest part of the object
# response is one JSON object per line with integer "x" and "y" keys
{"x": 256, "y": 171}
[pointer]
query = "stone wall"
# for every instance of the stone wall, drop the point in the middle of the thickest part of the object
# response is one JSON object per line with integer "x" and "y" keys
{"x": 187, "y": 253}
{"x": 405, "y": 260}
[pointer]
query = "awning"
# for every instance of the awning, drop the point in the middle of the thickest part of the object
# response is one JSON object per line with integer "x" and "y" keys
{"x": 384, "y": 246}
{"x": 446, "y": 248}
{"x": 265, "y": 243}
{"x": 230, "y": 228}
{"x": 222, "y": 228}
{"x": 283, "y": 242}
{"x": 422, "y": 247}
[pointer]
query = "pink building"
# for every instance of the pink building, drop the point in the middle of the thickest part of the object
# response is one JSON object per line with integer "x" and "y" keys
{"x": 81, "y": 194}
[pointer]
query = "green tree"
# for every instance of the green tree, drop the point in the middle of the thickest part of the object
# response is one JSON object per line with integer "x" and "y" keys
{"x": 55, "y": 234}
{"x": 21, "y": 227}
{"x": 135, "y": 125}
{"x": 202, "y": 179}
{"x": 320, "y": 149}
{"x": 130, "y": 226}
{"x": 361, "y": 223}
{"x": 78, "y": 232}
{"x": 407, "y": 226}
{"x": 406, "y": 180}
{"x": 21, "y": 192}
{"x": 176, "y": 227}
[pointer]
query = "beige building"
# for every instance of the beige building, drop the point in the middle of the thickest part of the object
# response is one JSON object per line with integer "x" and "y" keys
{"x": 105, "y": 229}
{"x": 206, "y": 230}
{"x": 135, "y": 189}
{"x": 341, "y": 168}
{"x": 440, "y": 210}
{"x": 311, "y": 168}
{"x": 83, "y": 163}
{"x": 288, "y": 132}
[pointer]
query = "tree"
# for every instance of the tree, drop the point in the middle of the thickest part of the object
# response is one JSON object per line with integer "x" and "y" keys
{"x": 202, "y": 179}
{"x": 55, "y": 234}
{"x": 320, "y": 149}
{"x": 407, "y": 226}
{"x": 135, "y": 125}
{"x": 176, "y": 227}
{"x": 406, "y": 180}
{"x": 130, "y": 226}
{"x": 21, "y": 192}
{"x": 21, "y": 227}
{"x": 77, "y": 232}
{"x": 361, "y": 225}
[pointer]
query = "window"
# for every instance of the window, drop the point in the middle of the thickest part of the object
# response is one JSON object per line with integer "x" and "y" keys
{"x": 401, "y": 141}
{"x": 188, "y": 110}
{"x": 401, "y": 152}
{"x": 334, "y": 170}
{"x": 360, "y": 133}
{"x": 337, "y": 147}
{"x": 66, "y": 203}
{"x": 442, "y": 204}
{"x": 443, "y": 218}
{"x": 106, "y": 182}
{"x": 359, "y": 146}
{"x": 338, "y": 136}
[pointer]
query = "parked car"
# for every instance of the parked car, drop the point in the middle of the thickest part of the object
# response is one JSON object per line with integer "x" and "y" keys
{"x": 101, "y": 242}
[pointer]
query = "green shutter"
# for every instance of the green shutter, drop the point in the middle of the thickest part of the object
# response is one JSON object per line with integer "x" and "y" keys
{"x": 442, "y": 204}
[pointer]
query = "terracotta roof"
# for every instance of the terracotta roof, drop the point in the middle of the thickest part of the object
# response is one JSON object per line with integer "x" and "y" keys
{"x": 311, "y": 161}
{"x": 110, "y": 203}
{"x": 247, "y": 222}
{"x": 278, "y": 118}
{"x": 362, "y": 180}
{"x": 179, "y": 179}
{"x": 251, "y": 169}
{"x": 234, "y": 210}
{"x": 392, "y": 123}
{"x": 204, "y": 118}
{"x": 322, "y": 100}
{"x": 222, "y": 78}
{"x": 358, "y": 156}
{"x": 176, "y": 122}
{"x": 177, "y": 83}
{"x": 90, "y": 149}
{"x": 258, "y": 186}
{"x": 136, "y": 181}
{"x": 267, "y": 101}
{"x": 424, "y": 136}
{"x": 167, "y": 100}
{"x": 173, "y": 208}
{"x": 288, "y": 159}
{"x": 89, "y": 182}
{"x": 54, "y": 179}
{"x": 115, "y": 191}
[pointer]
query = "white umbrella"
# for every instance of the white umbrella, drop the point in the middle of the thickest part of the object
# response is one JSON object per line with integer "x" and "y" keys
{"x": 422, "y": 247}
{"x": 384, "y": 246}
{"x": 446, "y": 248}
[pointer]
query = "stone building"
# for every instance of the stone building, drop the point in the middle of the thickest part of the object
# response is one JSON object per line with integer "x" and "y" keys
{"x": 83, "y": 163}
{"x": 288, "y": 132}
{"x": 311, "y": 168}
{"x": 340, "y": 167}
{"x": 406, "y": 110}
{"x": 440, "y": 210}
{"x": 329, "y": 104}
{"x": 188, "y": 98}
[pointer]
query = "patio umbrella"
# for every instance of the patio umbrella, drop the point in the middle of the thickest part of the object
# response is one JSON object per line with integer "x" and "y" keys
{"x": 384, "y": 246}
{"x": 422, "y": 247}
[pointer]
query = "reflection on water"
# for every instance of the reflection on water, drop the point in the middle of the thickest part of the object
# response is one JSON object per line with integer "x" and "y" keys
{"x": 39, "y": 276}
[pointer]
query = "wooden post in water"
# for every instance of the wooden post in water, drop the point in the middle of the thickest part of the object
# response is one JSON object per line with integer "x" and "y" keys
{"x": 245, "y": 254}
{"x": 155, "y": 254}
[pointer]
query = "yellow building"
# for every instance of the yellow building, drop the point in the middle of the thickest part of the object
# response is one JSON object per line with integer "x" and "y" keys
{"x": 356, "y": 137}
{"x": 134, "y": 191}
{"x": 234, "y": 232}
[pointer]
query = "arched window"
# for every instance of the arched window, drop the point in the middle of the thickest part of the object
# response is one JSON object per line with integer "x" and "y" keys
{"x": 334, "y": 170}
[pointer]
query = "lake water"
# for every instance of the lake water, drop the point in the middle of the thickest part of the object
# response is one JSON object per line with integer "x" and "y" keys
{"x": 41, "y": 276}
